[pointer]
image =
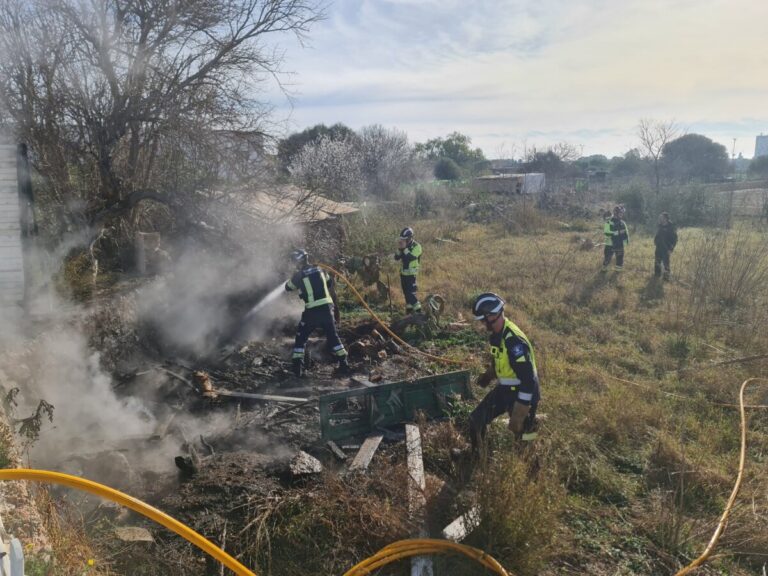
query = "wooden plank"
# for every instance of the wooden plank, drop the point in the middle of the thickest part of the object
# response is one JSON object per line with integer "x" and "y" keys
{"x": 462, "y": 526}
{"x": 417, "y": 501}
{"x": 335, "y": 450}
{"x": 363, "y": 382}
{"x": 416, "y": 479}
{"x": 11, "y": 255}
{"x": 265, "y": 397}
{"x": 9, "y": 261}
{"x": 365, "y": 454}
{"x": 9, "y": 279}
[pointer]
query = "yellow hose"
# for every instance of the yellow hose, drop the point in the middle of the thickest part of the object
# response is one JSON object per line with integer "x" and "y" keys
{"x": 422, "y": 546}
{"x": 136, "y": 505}
{"x": 729, "y": 505}
{"x": 385, "y": 327}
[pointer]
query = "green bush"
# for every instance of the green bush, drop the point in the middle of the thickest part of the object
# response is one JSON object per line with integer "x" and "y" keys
{"x": 634, "y": 199}
{"x": 447, "y": 169}
{"x": 758, "y": 168}
{"x": 422, "y": 204}
{"x": 689, "y": 206}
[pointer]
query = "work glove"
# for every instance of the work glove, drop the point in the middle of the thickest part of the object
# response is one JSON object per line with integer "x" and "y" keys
{"x": 517, "y": 416}
{"x": 484, "y": 379}
{"x": 398, "y": 255}
{"x": 336, "y": 314}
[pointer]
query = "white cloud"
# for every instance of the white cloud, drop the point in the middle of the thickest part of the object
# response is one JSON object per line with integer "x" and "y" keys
{"x": 505, "y": 71}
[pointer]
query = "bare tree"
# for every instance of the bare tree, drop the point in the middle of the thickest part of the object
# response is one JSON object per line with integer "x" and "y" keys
{"x": 654, "y": 135}
{"x": 387, "y": 159}
{"x": 126, "y": 100}
{"x": 566, "y": 151}
{"x": 332, "y": 168}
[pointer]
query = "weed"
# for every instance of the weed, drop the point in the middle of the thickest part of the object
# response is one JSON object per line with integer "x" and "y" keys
{"x": 519, "y": 503}
{"x": 37, "y": 566}
{"x": 73, "y": 551}
{"x": 30, "y": 426}
{"x": 678, "y": 346}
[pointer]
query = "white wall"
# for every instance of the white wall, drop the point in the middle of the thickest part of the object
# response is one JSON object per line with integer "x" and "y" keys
{"x": 11, "y": 265}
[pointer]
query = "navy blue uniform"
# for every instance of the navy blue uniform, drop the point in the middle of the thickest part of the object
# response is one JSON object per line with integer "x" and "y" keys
{"x": 314, "y": 288}
{"x": 515, "y": 367}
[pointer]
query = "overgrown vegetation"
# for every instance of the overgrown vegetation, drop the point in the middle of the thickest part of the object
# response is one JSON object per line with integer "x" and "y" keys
{"x": 641, "y": 465}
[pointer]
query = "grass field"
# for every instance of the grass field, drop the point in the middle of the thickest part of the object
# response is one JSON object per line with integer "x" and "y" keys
{"x": 637, "y": 454}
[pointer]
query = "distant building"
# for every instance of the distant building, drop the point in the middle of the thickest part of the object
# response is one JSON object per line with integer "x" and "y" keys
{"x": 761, "y": 146}
{"x": 531, "y": 183}
{"x": 504, "y": 166}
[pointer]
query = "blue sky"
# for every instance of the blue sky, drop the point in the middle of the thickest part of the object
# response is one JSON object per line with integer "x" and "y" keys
{"x": 513, "y": 74}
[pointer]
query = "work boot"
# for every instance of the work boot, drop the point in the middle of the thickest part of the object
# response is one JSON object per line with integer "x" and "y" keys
{"x": 298, "y": 367}
{"x": 343, "y": 368}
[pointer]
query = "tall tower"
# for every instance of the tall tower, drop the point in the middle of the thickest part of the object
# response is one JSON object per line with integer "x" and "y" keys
{"x": 761, "y": 146}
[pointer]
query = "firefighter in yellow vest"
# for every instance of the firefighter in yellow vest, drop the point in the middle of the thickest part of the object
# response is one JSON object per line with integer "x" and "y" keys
{"x": 409, "y": 255}
{"x": 514, "y": 366}
{"x": 316, "y": 289}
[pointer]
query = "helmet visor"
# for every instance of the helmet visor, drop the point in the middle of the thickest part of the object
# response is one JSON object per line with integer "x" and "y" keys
{"x": 489, "y": 305}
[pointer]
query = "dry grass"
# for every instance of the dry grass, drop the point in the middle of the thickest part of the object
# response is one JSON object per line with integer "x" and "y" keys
{"x": 617, "y": 446}
{"x": 73, "y": 552}
{"x": 520, "y": 502}
{"x": 331, "y": 525}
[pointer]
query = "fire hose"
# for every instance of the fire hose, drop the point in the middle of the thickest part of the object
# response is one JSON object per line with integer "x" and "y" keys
{"x": 729, "y": 505}
{"x": 134, "y": 504}
{"x": 391, "y": 553}
{"x": 423, "y": 546}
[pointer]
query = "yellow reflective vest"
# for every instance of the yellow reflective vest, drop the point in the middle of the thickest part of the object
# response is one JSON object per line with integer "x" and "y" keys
{"x": 524, "y": 359}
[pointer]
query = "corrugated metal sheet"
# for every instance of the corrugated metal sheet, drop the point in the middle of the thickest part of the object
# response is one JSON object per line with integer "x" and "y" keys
{"x": 11, "y": 259}
{"x": 289, "y": 203}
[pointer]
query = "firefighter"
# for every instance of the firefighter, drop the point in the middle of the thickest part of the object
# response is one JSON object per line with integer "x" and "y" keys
{"x": 513, "y": 364}
{"x": 616, "y": 236}
{"x": 409, "y": 254}
{"x": 316, "y": 289}
{"x": 665, "y": 240}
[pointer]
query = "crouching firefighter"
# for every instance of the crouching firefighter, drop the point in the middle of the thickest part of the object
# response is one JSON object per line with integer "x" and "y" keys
{"x": 409, "y": 254}
{"x": 513, "y": 364}
{"x": 316, "y": 288}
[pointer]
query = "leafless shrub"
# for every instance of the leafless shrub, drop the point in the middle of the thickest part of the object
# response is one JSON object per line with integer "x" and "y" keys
{"x": 727, "y": 269}
{"x": 329, "y": 167}
{"x": 386, "y": 160}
